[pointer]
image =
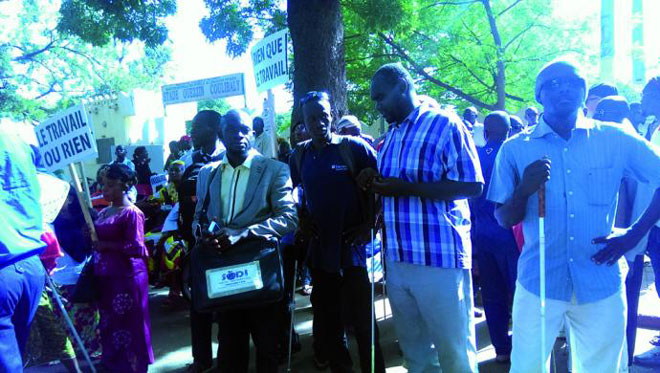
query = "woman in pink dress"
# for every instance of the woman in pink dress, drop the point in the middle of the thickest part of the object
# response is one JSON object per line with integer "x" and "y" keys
{"x": 120, "y": 265}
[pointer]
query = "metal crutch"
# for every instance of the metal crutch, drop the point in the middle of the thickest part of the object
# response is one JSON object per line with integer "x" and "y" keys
{"x": 541, "y": 194}
{"x": 373, "y": 311}
{"x": 292, "y": 309}
{"x": 58, "y": 300}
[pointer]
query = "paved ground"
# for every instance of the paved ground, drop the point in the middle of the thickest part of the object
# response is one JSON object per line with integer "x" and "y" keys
{"x": 171, "y": 337}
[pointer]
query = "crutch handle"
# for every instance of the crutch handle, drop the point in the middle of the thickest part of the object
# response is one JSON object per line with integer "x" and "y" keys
{"x": 542, "y": 200}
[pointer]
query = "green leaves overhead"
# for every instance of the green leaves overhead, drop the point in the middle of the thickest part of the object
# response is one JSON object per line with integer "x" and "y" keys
{"x": 455, "y": 52}
{"x": 100, "y": 21}
{"x": 43, "y": 70}
{"x": 235, "y": 20}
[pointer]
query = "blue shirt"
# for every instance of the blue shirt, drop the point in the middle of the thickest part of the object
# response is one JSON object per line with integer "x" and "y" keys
{"x": 20, "y": 236}
{"x": 429, "y": 146}
{"x": 333, "y": 201}
{"x": 488, "y": 235}
{"x": 581, "y": 200}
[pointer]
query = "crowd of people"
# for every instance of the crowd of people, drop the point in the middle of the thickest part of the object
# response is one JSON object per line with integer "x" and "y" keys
{"x": 457, "y": 203}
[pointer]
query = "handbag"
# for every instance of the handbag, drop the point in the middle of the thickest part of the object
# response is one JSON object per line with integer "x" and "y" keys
{"x": 86, "y": 289}
{"x": 248, "y": 275}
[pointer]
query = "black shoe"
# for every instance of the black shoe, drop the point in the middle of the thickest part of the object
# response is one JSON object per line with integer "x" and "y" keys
{"x": 650, "y": 359}
{"x": 478, "y": 313}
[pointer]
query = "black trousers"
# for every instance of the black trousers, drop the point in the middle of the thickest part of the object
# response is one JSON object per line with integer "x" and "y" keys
{"x": 201, "y": 328}
{"x": 236, "y": 327}
{"x": 339, "y": 300}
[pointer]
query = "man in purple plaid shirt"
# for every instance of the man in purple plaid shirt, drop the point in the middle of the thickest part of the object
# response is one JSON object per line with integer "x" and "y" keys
{"x": 427, "y": 168}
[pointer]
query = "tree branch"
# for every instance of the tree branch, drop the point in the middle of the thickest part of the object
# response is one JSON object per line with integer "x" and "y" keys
{"x": 474, "y": 75}
{"x": 509, "y": 7}
{"x": 521, "y": 33}
{"x": 442, "y": 3}
{"x": 474, "y": 35}
{"x": 420, "y": 70}
{"x": 31, "y": 55}
{"x": 382, "y": 55}
{"x": 515, "y": 98}
{"x": 500, "y": 77}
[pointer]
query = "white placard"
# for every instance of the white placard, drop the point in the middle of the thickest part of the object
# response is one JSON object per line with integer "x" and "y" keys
{"x": 204, "y": 89}
{"x": 158, "y": 180}
{"x": 236, "y": 279}
{"x": 270, "y": 60}
{"x": 65, "y": 138}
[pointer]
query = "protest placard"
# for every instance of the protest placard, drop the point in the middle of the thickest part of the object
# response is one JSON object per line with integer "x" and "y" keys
{"x": 270, "y": 60}
{"x": 204, "y": 89}
{"x": 65, "y": 138}
{"x": 157, "y": 181}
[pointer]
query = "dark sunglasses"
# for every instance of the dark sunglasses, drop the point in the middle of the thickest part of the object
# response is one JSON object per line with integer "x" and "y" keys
{"x": 557, "y": 83}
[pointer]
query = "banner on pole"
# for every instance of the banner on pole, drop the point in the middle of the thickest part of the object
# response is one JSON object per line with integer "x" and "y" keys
{"x": 204, "y": 89}
{"x": 65, "y": 138}
{"x": 270, "y": 60}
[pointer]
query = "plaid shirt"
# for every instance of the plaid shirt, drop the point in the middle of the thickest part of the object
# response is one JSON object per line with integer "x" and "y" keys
{"x": 429, "y": 146}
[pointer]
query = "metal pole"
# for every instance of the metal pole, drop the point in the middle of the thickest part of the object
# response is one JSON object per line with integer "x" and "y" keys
{"x": 373, "y": 311}
{"x": 69, "y": 323}
{"x": 292, "y": 308}
{"x": 541, "y": 194}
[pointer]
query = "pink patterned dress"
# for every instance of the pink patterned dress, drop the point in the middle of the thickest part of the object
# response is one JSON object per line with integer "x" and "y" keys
{"x": 124, "y": 292}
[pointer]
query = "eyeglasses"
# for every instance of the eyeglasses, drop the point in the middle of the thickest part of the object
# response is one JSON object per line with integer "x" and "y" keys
{"x": 314, "y": 96}
{"x": 557, "y": 83}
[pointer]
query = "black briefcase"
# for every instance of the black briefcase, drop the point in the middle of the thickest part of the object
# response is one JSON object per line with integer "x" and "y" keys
{"x": 248, "y": 275}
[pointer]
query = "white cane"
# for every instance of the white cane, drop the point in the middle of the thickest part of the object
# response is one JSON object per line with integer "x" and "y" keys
{"x": 373, "y": 311}
{"x": 292, "y": 309}
{"x": 79, "y": 341}
{"x": 541, "y": 194}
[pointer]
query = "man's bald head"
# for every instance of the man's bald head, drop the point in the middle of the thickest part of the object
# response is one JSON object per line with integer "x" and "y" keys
{"x": 238, "y": 117}
{"x": 237, "y": 130}
{"x": 497, "y": 126}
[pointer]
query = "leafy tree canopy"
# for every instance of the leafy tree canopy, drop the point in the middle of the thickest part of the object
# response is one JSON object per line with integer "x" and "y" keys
{"x": 100, "y": 21}
{"x": 484, "y": 53}
{"x": 43, "y": 70}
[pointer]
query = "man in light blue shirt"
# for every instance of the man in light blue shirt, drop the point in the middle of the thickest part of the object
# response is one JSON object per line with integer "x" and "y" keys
{"x": 584, "y": 274}
{"x": 21, "y": 273}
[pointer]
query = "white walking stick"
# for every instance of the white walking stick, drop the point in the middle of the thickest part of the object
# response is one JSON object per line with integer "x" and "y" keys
{"x": 541, "y": 193}
{"x": 69, "y": 323}
{"x": 373, "y": 311}
{"x": 292, "y": 308}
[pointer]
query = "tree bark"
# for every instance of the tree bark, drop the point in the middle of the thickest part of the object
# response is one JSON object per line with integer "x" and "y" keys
{"x": 317, "y": 35}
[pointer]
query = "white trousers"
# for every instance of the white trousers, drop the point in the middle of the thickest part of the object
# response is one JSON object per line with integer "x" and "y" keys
{"x": 433, "y": 317}
{"x": 596, "y": 331}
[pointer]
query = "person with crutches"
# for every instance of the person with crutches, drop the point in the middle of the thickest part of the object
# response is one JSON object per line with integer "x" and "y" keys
{"x": 340, "y": 217}
{"x": 581, "y": 163}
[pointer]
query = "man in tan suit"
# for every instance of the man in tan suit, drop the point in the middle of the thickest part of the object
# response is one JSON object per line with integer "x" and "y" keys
{"x": 249, "y": 195}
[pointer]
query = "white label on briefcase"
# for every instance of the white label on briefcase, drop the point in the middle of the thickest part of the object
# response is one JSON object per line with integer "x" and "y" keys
{"x": 236, "y": 279}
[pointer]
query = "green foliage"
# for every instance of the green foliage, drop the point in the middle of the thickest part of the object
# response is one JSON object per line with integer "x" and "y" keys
{"x": 43, "y": 71}
{"x": 100, "y": 21}
{"x": 283, "y": 124}
{"x": 219, "y": 105}
{"x": 235, "y": 20}
{"x": 452, "y": 52}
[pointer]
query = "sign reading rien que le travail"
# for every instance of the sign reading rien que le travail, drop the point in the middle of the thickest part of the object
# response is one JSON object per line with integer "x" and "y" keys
{"x": 269, "y": 57}
{"x": 204, "y": 89}
{"x": 65, "y": 138}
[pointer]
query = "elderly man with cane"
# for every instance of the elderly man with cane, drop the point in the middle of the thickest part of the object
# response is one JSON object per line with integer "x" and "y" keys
{"x": 582, "y": 263}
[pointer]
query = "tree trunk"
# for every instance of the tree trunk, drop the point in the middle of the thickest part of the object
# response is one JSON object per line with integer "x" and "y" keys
{"x": 317, "y": 35}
